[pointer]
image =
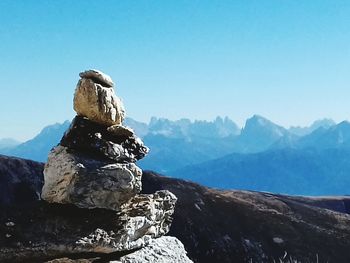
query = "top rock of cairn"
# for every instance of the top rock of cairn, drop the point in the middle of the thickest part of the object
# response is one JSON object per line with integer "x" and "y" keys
{"x": 98, "y": 77}
{"x": 95, "y": 99}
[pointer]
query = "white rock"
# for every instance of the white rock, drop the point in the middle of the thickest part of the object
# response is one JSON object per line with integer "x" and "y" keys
{"x": 10, "y": 224}
{"x": 278, "y": 240}
{"x": 161, "y": 250}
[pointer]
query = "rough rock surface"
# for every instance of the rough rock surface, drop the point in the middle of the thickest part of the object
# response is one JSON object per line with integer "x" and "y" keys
{"x": 74, "y": 178}
{"x": 98, "y": 103}
{"x": 20, "y": 180}
{"x": 39, "y": 231}
{"x": 144, "y": 217}
{"x": 160, "y": 250}
{"x": 98, "y": 77}
{"x": 117, "y": 143}
{"x": 164, "y": 249}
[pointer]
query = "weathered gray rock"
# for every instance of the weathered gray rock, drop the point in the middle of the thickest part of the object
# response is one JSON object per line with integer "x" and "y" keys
{"x": 47, "y": 231}
{"x": 160, "y": 250}
{"x": 74, "y": 178}
{"x": 98, "y": 77}
{"x": 144, "y": 217}
{"x": 117, "y": 143}
{"x": 98, "y": 103}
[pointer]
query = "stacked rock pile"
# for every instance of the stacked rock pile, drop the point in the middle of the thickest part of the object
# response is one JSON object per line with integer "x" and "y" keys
{"x": 94, "y": 167}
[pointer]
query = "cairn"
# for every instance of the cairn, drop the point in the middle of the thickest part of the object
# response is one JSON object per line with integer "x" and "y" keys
{"x": 94, "y": 167}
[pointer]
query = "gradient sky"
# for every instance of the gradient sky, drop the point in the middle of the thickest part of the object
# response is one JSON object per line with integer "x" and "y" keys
{"x": 286, "y": 60}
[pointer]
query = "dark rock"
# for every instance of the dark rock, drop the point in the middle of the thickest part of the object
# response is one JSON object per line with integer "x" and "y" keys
{"x": 20, "y": 180}
{"x": 99, "y": 141}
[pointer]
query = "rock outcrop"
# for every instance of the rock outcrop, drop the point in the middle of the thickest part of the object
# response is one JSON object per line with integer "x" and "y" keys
{"x": 91, "y": 192}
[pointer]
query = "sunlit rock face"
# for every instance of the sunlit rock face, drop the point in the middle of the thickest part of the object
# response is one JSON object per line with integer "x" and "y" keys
{"x": 95, "y": 99}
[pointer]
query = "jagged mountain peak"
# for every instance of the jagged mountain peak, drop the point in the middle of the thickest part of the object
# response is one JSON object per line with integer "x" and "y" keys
{"x": 259, "y": 126}
{"x": 260, "y": 122}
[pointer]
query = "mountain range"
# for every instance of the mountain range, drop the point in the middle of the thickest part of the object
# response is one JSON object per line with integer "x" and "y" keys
{"x": 261, "y": 156}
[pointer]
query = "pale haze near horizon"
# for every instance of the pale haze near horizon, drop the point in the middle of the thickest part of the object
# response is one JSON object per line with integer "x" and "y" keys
{"x": 285, "y": 60}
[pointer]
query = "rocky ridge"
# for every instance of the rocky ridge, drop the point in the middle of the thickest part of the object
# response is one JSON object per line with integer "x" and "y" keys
{"x": 91, "y": 192}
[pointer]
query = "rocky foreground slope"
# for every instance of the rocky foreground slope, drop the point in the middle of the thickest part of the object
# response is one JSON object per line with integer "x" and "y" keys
{"x": 214, "y": 226}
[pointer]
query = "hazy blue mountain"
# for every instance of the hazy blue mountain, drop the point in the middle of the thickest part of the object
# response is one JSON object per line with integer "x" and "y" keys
{"x": 38, "y": 148}
{"x": 291, "y": 171}
{"x": 168, "y": 153}
{"x": 140, "y": 128}
{"x": 173, "y": 143}
{"x": 7, "y": 143}
{"x": 302, "y": 131}
{"x": 258, "y": 135}
{"x": 337, "y": 136}
{"x": 185, "y": 128}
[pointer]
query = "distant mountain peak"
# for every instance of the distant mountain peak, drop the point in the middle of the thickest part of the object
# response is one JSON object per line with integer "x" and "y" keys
{"x": 325, "y": 123}
{"x": 260, "y": 122}
{"x": 342, "y": 125}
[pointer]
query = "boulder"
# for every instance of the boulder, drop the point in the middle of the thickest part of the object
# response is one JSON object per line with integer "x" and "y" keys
{"x": 98, "y": 77}
{"x": 98, "y": 103}
{"x": 72, "y": 177}
{"x": 116, "y": 143}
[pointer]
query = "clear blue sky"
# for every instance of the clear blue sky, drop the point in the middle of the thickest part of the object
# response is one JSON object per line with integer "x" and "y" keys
{"x": 286, "y": 60}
